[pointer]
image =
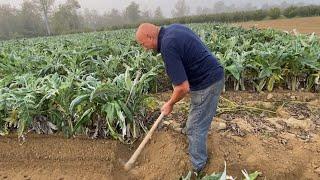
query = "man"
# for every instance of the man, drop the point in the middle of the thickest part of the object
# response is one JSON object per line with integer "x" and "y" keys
{"x": 192, "y": 68}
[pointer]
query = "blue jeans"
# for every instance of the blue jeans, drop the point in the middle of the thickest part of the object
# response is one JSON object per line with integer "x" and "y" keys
{"x": 203, "y": 108}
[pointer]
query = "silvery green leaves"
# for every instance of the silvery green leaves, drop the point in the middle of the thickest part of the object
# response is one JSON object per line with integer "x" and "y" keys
{"x": 251, "y": 176}
{"x": 116, "y": 101}
{"x": 97, "y": 82}
{"x": 264, "y": 59}
{"x": 94, "y": 83}
{"x": 213, "y": 176}
{"x": 221, "y": 176}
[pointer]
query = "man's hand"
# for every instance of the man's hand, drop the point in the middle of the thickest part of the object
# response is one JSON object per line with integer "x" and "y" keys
{"x": 179, "y": 92}
{"x": 167, "y": 108}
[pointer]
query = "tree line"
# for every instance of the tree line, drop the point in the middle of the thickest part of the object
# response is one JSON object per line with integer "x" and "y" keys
{"x": 238, "y": 16}
{"x": 41, "y": 18}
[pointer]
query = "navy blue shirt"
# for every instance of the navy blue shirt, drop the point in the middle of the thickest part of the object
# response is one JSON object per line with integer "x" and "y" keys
{"x": 187, "y": 58}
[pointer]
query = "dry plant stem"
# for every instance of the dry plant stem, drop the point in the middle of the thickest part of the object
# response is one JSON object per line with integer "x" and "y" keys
{"x": 235, "y": 107}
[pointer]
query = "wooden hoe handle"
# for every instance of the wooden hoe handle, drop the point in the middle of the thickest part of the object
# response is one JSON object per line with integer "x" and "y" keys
{"x": 135, "y": 155}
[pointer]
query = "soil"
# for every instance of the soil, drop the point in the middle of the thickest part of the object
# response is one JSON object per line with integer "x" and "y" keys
{"x": 281, "y": 145}
{"x": 306, "y": 25}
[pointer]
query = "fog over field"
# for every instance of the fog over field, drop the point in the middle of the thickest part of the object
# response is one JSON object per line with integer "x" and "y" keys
{"x": 31, "y": 18}
{"x": 167, "y": 6}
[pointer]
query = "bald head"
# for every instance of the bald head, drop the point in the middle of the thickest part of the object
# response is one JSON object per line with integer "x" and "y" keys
{"x": 147, "y": 35}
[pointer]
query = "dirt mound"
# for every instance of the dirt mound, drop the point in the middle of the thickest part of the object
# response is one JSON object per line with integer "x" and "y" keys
{"x": 165, "y": 157}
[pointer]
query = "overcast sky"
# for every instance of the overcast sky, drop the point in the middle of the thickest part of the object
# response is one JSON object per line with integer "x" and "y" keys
{"x": 166, "y": 5}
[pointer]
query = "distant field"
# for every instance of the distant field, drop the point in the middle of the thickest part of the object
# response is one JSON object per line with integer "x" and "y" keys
{"x": 303, "y": 25}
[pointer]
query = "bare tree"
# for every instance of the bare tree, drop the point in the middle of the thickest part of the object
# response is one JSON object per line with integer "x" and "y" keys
{"x": 30, "y": 19}
{"x": 132, "y": 12}
{"x": 67, "y": 19}
{"x": 181, "y": 9}
{"x": 9, "y": 26}
{"x": 114, "y": 18}
{"x": 45, "y": 6}
{"x": 219, "y": 7}
{"x": 91, "y": 19}
{"x": 146, "y": 15}
{"x": 158, "y": 13}
{"x": 203, "y": 10}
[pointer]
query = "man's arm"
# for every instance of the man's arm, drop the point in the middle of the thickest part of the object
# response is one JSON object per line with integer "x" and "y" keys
{"x": 179, "y": 92}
